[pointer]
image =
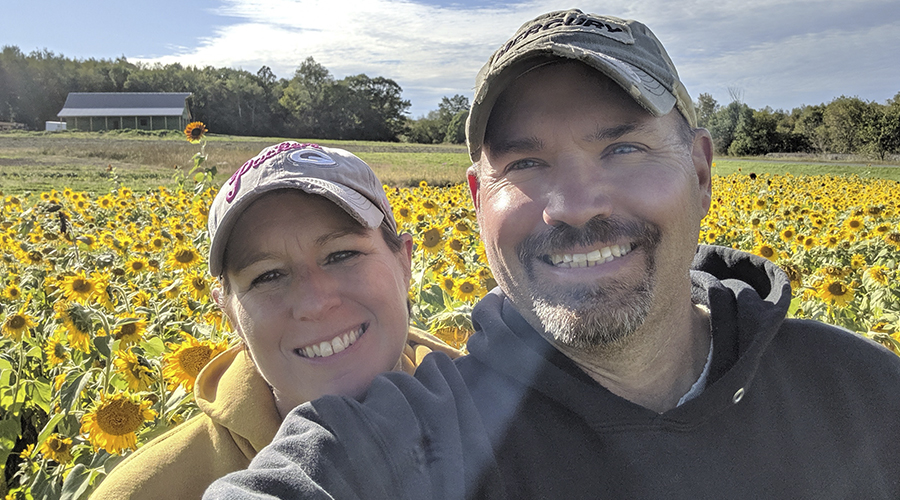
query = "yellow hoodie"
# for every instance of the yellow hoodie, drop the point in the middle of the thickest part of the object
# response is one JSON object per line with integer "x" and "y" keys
{"x": 239, "y": 418}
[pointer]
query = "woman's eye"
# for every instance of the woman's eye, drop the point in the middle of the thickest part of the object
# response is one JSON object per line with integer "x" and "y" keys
{"x": 341, "y": 256}
{"x": 265, "y": 278}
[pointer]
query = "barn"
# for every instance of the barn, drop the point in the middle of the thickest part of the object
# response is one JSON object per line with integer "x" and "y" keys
{"x": 93, "y": 111}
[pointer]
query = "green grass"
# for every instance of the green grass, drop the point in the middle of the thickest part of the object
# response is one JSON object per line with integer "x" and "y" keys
{"x": 94, "y": 161}
{"x": 724, "y": 167}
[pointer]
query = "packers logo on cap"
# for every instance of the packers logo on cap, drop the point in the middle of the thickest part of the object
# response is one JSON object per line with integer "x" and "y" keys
{"x": 312, "y": 157}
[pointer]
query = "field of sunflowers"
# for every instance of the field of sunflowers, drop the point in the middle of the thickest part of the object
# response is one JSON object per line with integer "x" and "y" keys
{"x": 107, "y": 319}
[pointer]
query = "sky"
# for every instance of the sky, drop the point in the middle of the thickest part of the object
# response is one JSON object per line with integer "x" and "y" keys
{"x": 781, "y": 54}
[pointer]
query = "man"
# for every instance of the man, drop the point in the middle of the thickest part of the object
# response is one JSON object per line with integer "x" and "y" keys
{"x": 617, "y": 359}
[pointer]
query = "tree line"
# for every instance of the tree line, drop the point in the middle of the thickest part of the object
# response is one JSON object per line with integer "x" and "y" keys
{"x": 311, "y": 104}
{"x": 846, "y": 125}
{"x": 314, "y": 104}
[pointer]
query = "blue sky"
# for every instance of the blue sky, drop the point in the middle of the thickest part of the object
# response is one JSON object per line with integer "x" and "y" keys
{"x": 774, "y": 53}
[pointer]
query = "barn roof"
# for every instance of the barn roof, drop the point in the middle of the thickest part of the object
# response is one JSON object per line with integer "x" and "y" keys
{"x": 124, "y": 104}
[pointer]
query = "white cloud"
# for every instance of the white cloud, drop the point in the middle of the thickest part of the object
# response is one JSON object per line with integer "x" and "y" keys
{"x": 780, "y": 53}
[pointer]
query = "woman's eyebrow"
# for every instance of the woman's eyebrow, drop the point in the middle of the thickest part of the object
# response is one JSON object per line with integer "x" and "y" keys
{"x": 355, "y": 229}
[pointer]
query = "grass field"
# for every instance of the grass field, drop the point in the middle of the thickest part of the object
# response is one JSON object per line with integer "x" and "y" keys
{"x": 93, "y": 162}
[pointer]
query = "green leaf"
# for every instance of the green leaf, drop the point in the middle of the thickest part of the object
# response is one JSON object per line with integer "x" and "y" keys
{"x": 51, "y": 425}
{"x": 9, "y": 434}
{"x": 41, "y": 394}
{"x": 154, "y": 347}
{"x": 102, "y": 345}
{"x": 76, "y": 483}
{"x": 69, "y": 394}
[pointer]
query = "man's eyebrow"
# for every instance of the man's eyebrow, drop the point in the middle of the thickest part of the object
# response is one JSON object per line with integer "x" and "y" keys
{"x": 612, "y": 133}
{"x": 524, "y": 145}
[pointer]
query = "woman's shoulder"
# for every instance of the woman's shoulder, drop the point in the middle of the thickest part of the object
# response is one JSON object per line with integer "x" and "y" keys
{"x": 419, "y": 343}
{"x": 178, "y": 464}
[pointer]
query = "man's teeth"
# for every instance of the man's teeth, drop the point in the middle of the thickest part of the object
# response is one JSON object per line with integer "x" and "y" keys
{"x": 598, "y": 256}
{"x": 327, "y": 348}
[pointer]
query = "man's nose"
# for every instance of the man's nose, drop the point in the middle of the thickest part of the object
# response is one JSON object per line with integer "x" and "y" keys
{"x": 314, "y": 295}
{"x": 577, "y": 194}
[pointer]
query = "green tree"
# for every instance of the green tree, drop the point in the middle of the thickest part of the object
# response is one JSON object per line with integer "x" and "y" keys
{"x": 456, "y": 129}
{"x": 881, "y": 133}
{"x": 726, "y": 121}
{"x": 844, "y": 120}
{"x": 706, "y": 108}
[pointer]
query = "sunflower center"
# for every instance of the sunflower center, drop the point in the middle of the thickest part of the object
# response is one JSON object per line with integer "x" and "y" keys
{"x": 456, "y": 245}
{"x": 184, "y": 256}
{"x": 199, "y": 283}
{"x": 196, "y": 132}
{"x": 81, "y": 285}
{"x": 129, "y": 329}
{"x": 837, "y": 289}
{"x": 431, "y": 237}
{"x": 193, "y": 359}
{"x": 467, "y": 287}
{"x": 119, "y": 417}
{"x": 16, "y": 322}
{"x": 766, "y": 251}
{"x": 137, "y": 266}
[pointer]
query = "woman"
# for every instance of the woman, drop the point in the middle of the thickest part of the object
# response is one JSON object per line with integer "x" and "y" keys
{"x": 315, "y": 279}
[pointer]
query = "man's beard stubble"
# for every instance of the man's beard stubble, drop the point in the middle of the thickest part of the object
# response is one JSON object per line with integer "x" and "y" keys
{"x": 597, "y": 316}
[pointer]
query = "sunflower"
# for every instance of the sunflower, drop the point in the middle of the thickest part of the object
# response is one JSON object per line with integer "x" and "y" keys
{"x": 16, "y": 325}
{"x": 454, "y": 245}
{"x": 187, "y": 359}
{"x": 130, "y": 331}
{"x": 789, "y": 234}
{"x": 195, "y": 131}
{"x": 448, "y": 284}
{"x": 835, "y": 292}
{"x": 764, "y": 250}
{"x": 137, "y": 265}
{"x": 183, "y": 257}
{"x": 432, "y": 239}
{"x": 467, "y": 290}
{"x": 196, "y": 285}
{"x": 403, "y": 214}
{"x": 854, "y": 223}
{"x": 79, "y": 287}
{"x": 136, "y": 370}
{"x": 12, "y": 292}
{"x": 893, "y": 239}
{"x": 56, "y": 352}
{"x": 879, "y": 274}
{"x": 57, "y": 448}
{"x": 77, "y": 323}
{"x": 114, "y": 421}
{"x": 808, "y": 242}
{"x": 794, "y": 274}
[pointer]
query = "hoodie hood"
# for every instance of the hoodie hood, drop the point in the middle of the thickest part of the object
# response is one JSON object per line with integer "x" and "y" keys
{"x": 233, "y": 394}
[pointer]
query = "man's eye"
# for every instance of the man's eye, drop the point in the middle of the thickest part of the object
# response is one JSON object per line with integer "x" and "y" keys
{"x": 265, "y": 278}
{"x": 341, "y": 256}
{"x": 522, "y": 165}
{"x": 624, "y": 149}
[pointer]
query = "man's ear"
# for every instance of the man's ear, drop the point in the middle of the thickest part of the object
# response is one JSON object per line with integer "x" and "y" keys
{"x": 472, "y": 178}
{"x": 702, "y": 155}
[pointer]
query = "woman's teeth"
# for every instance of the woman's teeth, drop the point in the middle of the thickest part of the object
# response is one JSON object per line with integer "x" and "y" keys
{"x": 591, "y": 259}
{"x": 327, "y": 348}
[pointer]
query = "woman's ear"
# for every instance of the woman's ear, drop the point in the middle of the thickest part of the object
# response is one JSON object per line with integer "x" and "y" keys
{"x": 218, "y": 296}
